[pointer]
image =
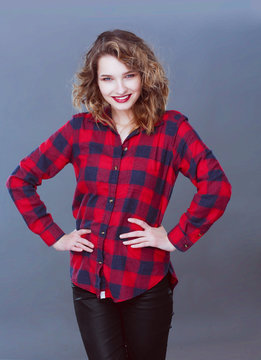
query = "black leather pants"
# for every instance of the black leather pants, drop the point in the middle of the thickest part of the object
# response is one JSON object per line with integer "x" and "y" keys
{"x": 136, "y": 329}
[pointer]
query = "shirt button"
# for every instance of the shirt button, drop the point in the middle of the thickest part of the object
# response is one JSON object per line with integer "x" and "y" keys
{"x": 111, "y": 200}
{"x": 103, "y": 232}
{"x": 125, "y": 149}
{"x": 185, "y": 245}
{"x": 100, "y": 262}
{"x": 115, "y": 167}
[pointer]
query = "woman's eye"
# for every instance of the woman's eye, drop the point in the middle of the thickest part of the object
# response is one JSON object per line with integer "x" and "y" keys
{"x": 130, "y": 75}
{"x": 106, "y": 79}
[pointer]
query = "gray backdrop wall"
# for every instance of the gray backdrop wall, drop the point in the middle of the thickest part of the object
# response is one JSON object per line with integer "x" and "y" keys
{"x": 211, "y": 52}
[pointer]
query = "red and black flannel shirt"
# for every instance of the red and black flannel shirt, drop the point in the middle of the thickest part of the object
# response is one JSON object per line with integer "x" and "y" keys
{"x": 116, "y": 181}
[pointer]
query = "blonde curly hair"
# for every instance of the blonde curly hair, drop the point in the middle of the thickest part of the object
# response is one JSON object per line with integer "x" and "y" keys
{"x": 136, "y": 55}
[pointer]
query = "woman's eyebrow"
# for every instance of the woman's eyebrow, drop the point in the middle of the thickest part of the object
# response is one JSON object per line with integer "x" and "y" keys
{"x": 127, "y": 72}
{"x": 130, "y": 71}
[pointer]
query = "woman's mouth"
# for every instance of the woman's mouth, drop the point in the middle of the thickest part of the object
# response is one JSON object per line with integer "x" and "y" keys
{"x": 121, "y": 99}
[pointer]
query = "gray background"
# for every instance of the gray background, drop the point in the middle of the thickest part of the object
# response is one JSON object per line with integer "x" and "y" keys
{"x": 211, "y": 53}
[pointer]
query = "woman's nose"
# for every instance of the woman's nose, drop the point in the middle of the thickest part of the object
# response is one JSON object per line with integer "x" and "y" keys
{"x": 120, "y": 87}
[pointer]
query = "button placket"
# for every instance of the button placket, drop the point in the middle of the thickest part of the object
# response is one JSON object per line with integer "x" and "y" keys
{"x": 109, "y": 208}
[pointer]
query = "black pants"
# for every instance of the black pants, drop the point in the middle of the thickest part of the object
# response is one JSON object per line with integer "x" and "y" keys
{"x": 136, "y": 329}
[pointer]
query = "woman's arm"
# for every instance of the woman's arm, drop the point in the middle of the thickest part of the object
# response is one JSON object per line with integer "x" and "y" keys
{"x": 197, "y": 162}
{"x": 43, "y": 163}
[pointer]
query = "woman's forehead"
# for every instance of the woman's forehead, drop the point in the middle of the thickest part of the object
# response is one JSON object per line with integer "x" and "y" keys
{"x": 109, "y": 63}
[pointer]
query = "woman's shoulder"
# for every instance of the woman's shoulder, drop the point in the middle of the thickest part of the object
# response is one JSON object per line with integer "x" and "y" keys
{"x": 81, "y": 119}
{"x": 172, "y": 120}
{"x": 174, "y": 116}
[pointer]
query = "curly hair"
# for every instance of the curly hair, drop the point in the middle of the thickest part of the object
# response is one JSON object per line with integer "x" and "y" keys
{"x": 136, "y": 55}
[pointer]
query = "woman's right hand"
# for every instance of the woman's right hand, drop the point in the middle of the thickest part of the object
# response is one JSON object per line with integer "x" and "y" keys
{"x": 74, "y": 242}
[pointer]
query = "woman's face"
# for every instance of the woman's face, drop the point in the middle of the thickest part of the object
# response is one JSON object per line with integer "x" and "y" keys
{"x": 119, "y": 85}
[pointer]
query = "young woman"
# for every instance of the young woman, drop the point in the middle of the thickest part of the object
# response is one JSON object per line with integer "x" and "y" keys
{"x": 127, "y": 152}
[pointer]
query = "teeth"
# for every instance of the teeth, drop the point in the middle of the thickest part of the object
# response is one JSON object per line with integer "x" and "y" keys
{"x": 122, "y": 97}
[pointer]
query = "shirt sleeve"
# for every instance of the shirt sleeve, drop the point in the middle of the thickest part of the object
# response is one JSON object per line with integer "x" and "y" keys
{"x": 197, "y": 162}
{"x": 43, "y": 163}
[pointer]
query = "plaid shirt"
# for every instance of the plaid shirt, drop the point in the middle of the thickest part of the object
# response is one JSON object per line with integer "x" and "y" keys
{"x": 116, "y": 181}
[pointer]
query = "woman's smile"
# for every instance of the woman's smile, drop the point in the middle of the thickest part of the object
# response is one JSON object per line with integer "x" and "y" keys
{"x": 122, "y": 99}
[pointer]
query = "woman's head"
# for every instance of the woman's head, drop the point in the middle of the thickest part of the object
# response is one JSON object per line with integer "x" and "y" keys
{"x": 119, "y": 85}
{"x": 133, "y": 52}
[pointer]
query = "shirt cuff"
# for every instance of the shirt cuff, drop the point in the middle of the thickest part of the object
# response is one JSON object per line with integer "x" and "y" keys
{"x": 182, "y": 241}
{"x": 52, "y": 234}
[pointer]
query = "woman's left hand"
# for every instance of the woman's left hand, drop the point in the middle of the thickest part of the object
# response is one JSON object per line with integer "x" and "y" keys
{"x": 150, "y": 236}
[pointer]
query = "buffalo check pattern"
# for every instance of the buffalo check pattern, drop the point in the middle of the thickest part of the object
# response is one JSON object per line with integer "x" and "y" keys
{"x": 115, "y": 181}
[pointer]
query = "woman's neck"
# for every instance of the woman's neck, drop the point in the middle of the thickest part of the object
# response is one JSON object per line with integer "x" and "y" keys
{"x": 122, "y": 118}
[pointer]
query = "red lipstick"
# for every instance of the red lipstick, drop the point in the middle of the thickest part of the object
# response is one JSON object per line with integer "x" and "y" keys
{"x": 121, "y": 99}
